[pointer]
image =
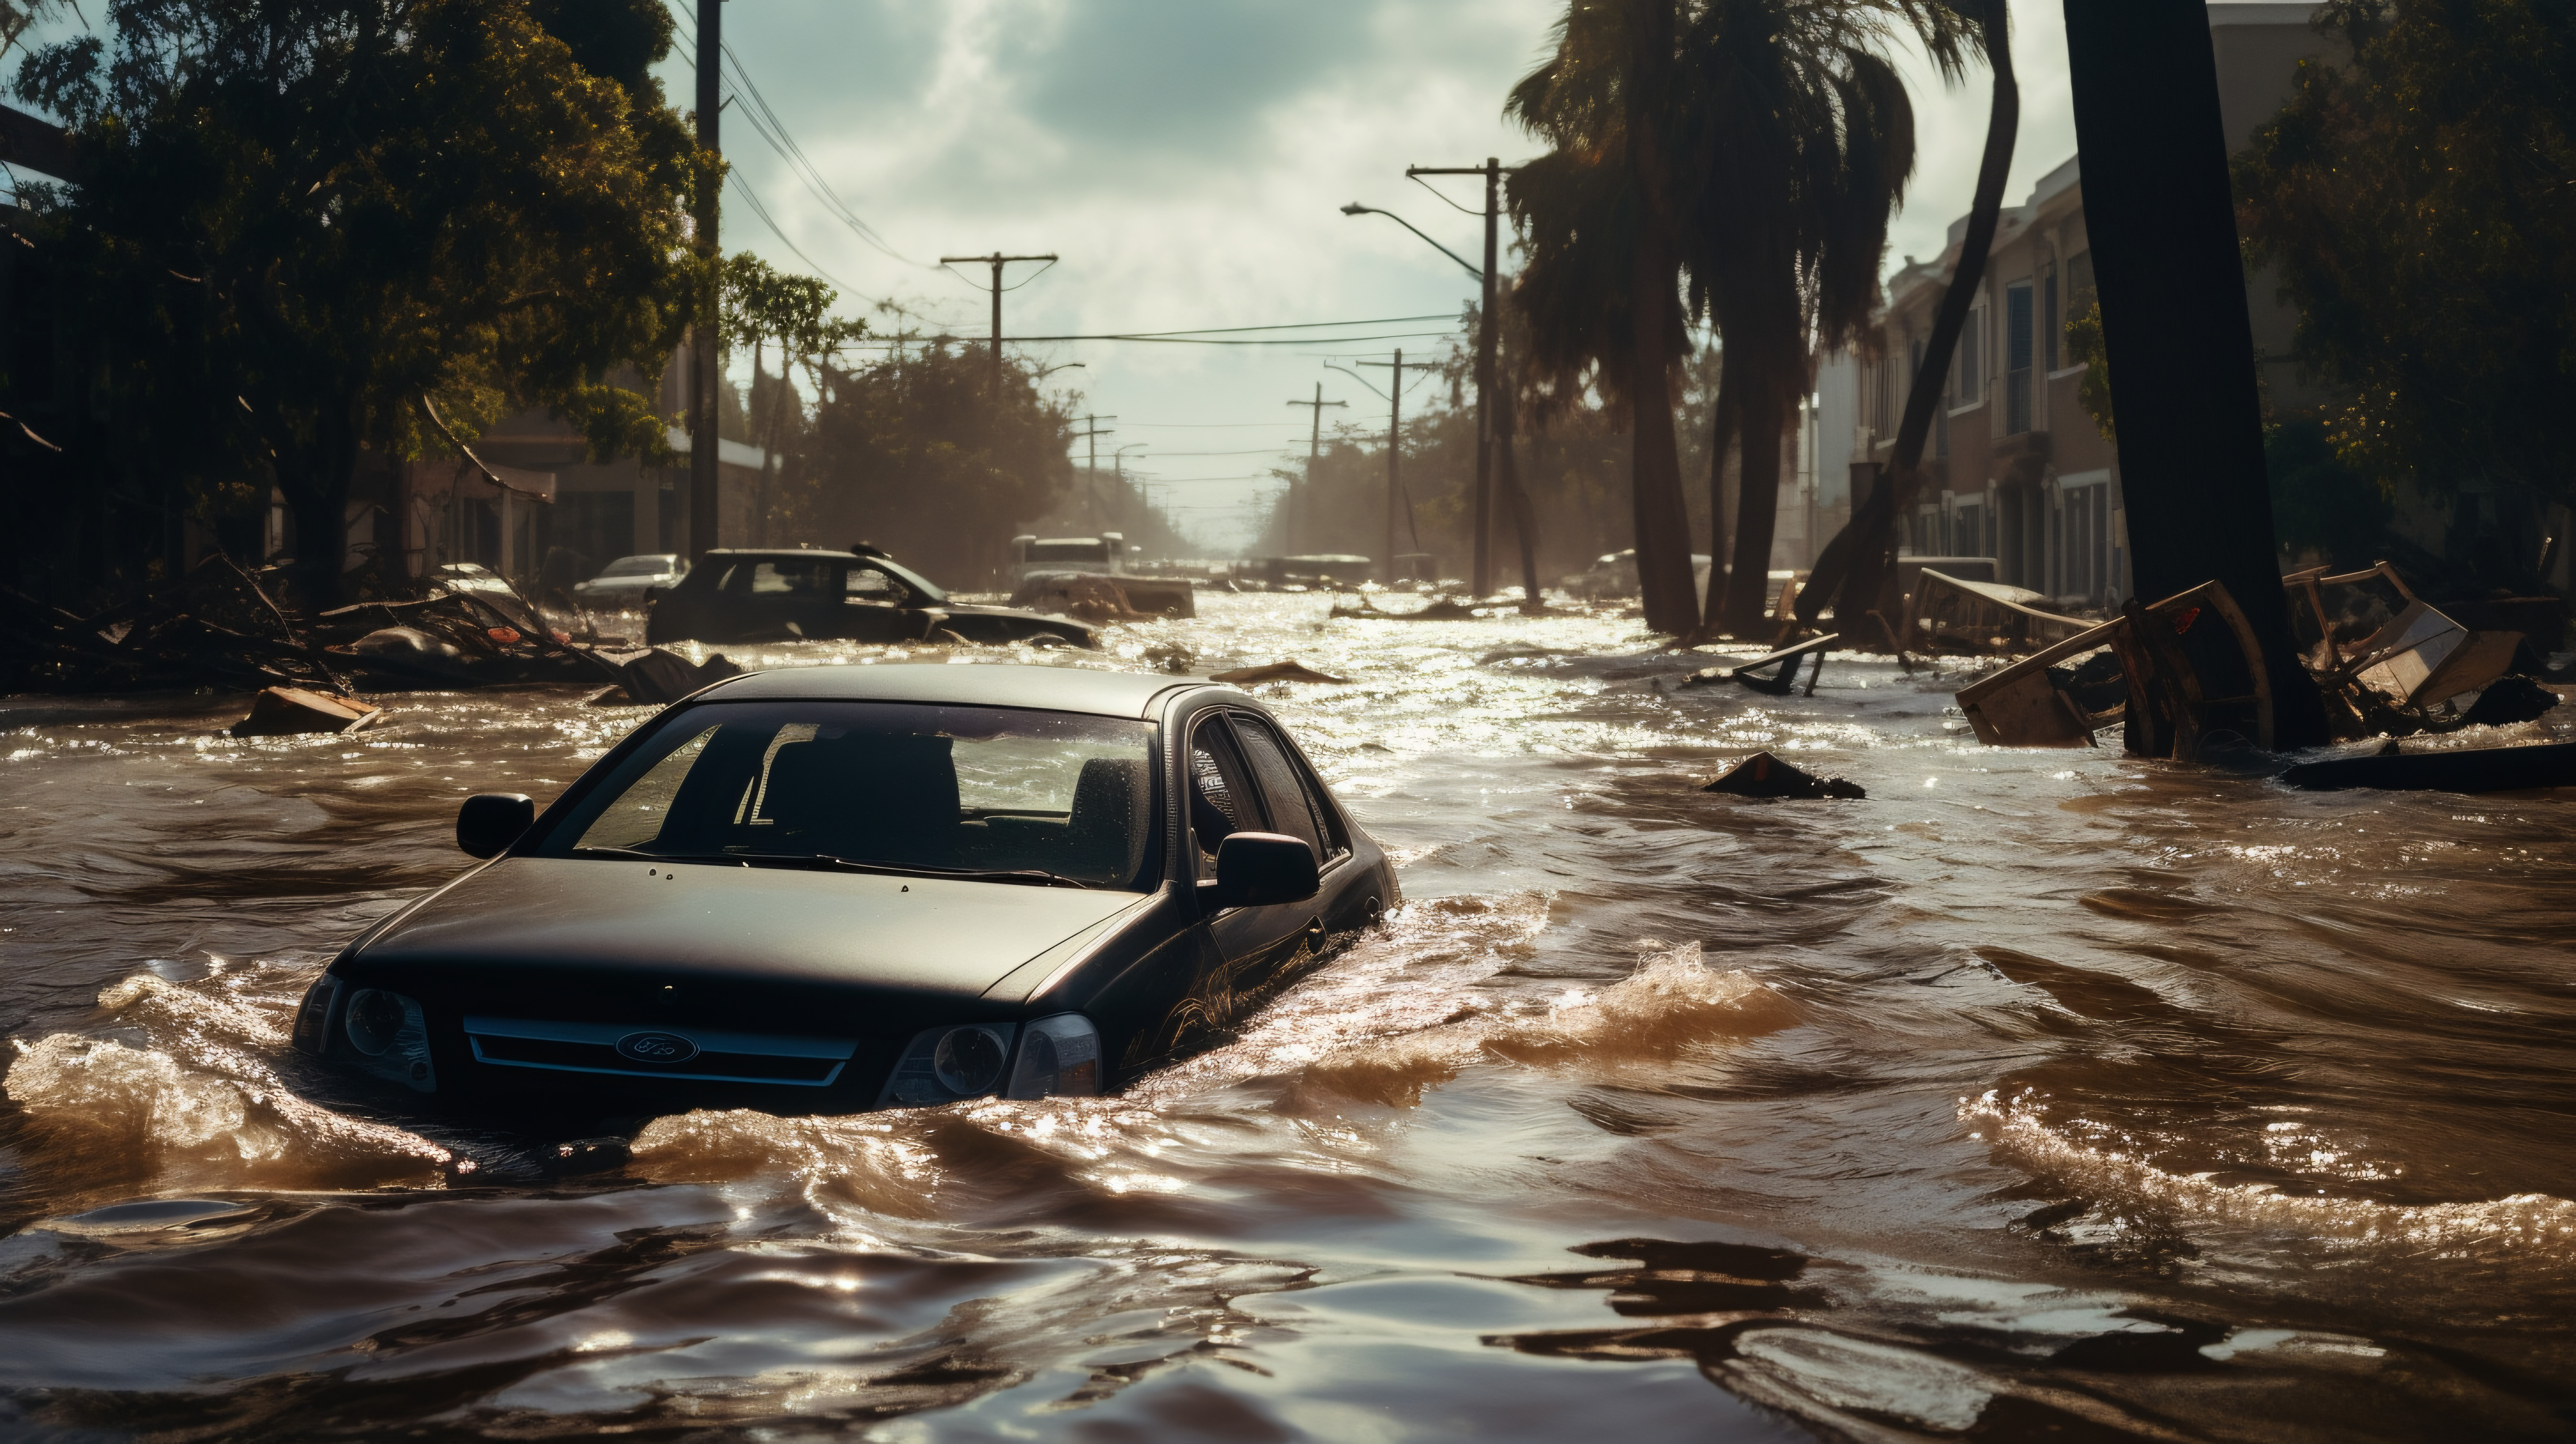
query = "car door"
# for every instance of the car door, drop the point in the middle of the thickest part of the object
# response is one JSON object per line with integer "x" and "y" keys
{"x": 1297, "y": 807}
{"x": 1255, "y": 946}
{"x": 873, "y": 607}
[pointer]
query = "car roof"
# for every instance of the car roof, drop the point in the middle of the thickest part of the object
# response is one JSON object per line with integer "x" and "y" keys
{"x": 1052, "y": 689}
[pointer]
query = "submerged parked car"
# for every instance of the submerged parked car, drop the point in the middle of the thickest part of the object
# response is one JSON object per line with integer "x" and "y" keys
{"x": 768, "y": 596}
{"x": 841, "y": 888}
{"x": 623, "y": 582}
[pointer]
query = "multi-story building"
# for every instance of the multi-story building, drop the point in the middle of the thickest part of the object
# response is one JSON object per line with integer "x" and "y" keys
{"x": 2016, "y": 469}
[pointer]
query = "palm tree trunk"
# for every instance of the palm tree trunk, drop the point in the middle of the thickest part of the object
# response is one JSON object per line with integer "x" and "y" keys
{"x": 1730, "y": 403}
{"x": 1757, "y": 516}
{"x": 1508, "y": 470}
{"x": 1854, "y": 567}
{"x": 1662, "y": 521}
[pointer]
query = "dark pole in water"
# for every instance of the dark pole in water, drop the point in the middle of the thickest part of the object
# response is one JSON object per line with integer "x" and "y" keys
{"x": 1394, "y": 444}
{"x": 2162, "y": 226}
{"x": 704, "y": 355}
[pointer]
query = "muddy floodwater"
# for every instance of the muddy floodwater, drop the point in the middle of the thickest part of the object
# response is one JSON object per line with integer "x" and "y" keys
{"x": 2041, "y": 1095}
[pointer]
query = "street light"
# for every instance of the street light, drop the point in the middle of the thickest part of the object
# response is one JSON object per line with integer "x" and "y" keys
{"x": 1482, "y": 572}
{"x": 1356, "y": 209}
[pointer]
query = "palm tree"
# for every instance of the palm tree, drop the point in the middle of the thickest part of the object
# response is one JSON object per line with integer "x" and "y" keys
{"x": 1601, "y": 288}
{"x": 1795, "y": 145}
{"x": 1854, "y": 568}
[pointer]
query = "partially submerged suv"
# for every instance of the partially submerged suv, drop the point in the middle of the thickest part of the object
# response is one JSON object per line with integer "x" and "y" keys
{"x": 775, "y": 596}
{"x": 834, "y": 889}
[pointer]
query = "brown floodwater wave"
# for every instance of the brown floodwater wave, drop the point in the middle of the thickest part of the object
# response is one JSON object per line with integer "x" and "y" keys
{"x": 2040, "y": 1095}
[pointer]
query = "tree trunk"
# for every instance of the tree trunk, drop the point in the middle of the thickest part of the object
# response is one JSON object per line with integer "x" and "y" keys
{"x": 1508, "y": 473}
{"x": 2172, "y": 284}
{"x": 1758, "y": 506}
{"x": 1662, "y": 521}
{"x": 315, "y": 481}
{"x": 1730, "y": 401}
{"x": 1854, "y": 567}
{"x": 1655, "y": 476}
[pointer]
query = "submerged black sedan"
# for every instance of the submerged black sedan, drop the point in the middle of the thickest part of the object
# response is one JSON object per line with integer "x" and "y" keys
{"x": 866, "y": 596}
{"x": 840, "y": 888}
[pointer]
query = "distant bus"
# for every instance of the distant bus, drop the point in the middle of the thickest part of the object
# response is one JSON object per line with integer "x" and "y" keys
{"x": 1105, "y": 553}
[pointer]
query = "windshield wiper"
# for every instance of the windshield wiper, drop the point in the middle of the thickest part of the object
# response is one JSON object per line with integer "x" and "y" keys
{"x": 637, "y": 852}
{"x": 1034, "y": 876}
{"x": 1037, "y": 877}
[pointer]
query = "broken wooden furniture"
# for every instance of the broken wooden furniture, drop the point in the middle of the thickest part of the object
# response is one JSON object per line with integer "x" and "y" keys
{"x": 2190, "y": 668}
{"x": 2027, "y": 705}
{"x": 2409, "y": 672}
{"x": 1955, "y": 614}
{"x": 1784, "y": 663}
{"x": 286, "y": 711}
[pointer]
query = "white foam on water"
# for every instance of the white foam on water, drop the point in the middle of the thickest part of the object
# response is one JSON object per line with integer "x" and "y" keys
{"x": 2528, "y": 1225}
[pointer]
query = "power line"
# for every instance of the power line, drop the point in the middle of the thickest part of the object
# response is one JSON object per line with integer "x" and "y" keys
{"x": 1205, "y": 341}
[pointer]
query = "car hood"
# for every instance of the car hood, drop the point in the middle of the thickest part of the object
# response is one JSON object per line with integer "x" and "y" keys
{"x": 616, "y": 920}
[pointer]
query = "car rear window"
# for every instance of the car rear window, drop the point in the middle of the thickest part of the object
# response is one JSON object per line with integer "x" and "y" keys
{"x": 971, "y": 789}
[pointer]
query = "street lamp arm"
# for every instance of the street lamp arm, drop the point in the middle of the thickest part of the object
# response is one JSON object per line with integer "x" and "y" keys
{"x": 1356, "y": 209}
{"x": 1355, "y": 376}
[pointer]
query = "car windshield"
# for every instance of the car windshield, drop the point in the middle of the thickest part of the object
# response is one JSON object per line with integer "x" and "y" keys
{"x": 637, "y": 567}
{"x": 1001, "y": 793}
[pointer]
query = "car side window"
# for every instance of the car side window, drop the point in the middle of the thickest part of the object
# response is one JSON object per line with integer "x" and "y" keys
{"x": 868, "y": 585}
{"x": 1221, "y": 798}
{"x": 783, "y": 579}
{"x": 1294, "y": 807}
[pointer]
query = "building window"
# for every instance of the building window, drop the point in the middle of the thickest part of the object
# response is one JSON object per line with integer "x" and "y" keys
{"x": 2049, "y": 324}
{"x": 2017, "y": 299}
{"x": 1967, "y": 374}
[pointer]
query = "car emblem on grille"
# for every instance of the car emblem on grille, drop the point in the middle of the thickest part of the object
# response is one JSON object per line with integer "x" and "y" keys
{"x": 656, "y": 1048}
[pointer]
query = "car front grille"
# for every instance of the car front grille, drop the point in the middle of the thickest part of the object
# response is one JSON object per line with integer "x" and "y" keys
{"x": 633, "y": 1051}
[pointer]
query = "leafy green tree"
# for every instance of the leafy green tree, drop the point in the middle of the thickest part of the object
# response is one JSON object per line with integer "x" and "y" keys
{"x": 2419, "y": 202}
{"x": 915, "y": 453}
{"x": 764, "y": 306}
{"x": 308, "y": 220}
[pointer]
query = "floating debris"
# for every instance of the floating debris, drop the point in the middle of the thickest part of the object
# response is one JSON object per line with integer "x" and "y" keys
{"x": 1786, "y": 660}
{"x": 285, "y": 711}
{"x": 2465, "y": 769}
{"x": 1291, "y": 670}
{"x": 1764, "y": 775}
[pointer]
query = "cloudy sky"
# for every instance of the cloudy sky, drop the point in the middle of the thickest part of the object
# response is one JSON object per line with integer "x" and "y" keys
{"x": 1187, "y": 159}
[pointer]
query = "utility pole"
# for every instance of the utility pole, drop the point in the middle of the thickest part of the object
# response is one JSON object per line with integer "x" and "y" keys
{"x": 1394, "y": 451}
{"x": 705, "y": 355}
{"x": 1314, "y": 449}
{"x": 997, "y": 261}
{"x": 1094, "y": 431}
{"x": 1492, "y": 171}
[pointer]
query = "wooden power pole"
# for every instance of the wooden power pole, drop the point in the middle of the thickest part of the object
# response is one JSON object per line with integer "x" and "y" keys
{"x": 1492, "y": 171}
{"x": 997, "y": 261}
{"x": 705, "y": 353}
{"x": 1288, "y": 533}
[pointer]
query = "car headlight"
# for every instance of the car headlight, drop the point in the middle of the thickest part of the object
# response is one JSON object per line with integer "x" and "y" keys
{"x": 389, "y": 1036}
{"x": 1059, "y": 1057}
{"x": 942, "y": 1065}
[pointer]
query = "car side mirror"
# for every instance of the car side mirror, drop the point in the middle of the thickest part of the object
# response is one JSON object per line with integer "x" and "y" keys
{"x": 490, "y": 821}
{"x": 1255, "y": 869}
{"x": 652, "y": 595}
